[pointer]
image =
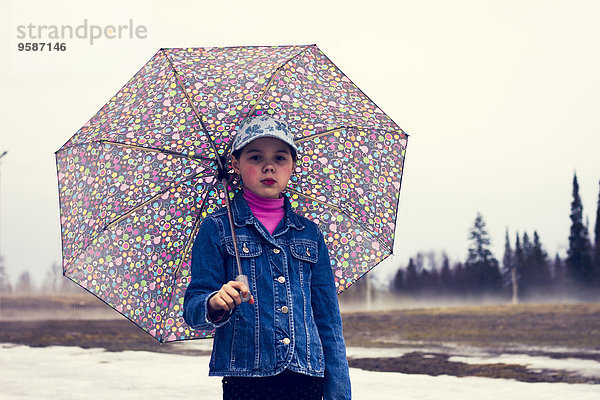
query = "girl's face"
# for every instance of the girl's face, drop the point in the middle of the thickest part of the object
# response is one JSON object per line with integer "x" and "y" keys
{"x": 265, "y": 166}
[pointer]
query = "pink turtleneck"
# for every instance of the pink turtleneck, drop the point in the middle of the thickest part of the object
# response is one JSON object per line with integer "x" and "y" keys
{"x": 268, "y": 211}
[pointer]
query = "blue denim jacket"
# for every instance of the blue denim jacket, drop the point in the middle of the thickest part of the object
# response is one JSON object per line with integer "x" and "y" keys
{"x": 295, "y": 321}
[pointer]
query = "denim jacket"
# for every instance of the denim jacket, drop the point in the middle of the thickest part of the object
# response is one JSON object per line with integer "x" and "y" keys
{"x": 295, "y": 320}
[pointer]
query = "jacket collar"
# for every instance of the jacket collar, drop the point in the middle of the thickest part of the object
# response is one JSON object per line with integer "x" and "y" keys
{"x": 242, "y": 215}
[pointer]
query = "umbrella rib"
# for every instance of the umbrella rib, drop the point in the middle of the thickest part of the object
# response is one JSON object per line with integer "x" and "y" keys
{"x": 150, "y": 200}
{"x": 273, "y": 78}
{"x": 190, "y": 242}
{"x": 366, "y": 229}
{"x": 265, "y": 89}
{"x": 198, "y": 116}
{"x": 139, "y": 206}
{"x": 275, "y": 74}
{"x": 187, "y": 249}
{"x": 128, "y": 213}
{"x": 315, "y": 200}
{"x": 155, "y": 150}
{"x": 302, "y": 139}
{"x": 305, "y": 138}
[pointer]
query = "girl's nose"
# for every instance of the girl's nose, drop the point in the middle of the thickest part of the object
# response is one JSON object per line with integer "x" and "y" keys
{"x": 268, "y": 168}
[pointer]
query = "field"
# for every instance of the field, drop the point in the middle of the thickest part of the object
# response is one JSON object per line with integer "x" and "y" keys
{"x": 555, "y": 331}
{"x": 431, "y": 341}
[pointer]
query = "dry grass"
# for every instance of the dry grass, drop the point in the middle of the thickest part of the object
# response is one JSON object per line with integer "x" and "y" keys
{"x": 574, "y": 326}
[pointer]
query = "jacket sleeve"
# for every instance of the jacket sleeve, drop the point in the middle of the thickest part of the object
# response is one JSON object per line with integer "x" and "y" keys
{"x": 208, "y": 275}
{"x": 329, "y": 323}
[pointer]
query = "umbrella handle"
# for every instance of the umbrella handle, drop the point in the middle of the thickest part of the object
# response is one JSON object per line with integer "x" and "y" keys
{"x": 244, "y": 280}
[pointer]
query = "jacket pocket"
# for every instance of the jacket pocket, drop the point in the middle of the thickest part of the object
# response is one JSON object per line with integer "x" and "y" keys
{"x": 305, "y": 250}
{"x": 246, "y": 248}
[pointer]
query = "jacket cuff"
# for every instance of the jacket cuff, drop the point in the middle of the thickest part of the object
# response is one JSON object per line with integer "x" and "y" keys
{"x": 218, "y": 318}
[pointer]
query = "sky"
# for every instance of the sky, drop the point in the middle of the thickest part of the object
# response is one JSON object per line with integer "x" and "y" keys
{"x": 500, "y": 99}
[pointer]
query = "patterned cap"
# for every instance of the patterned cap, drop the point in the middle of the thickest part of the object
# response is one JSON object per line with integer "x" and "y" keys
{"x": 263, "y": 126}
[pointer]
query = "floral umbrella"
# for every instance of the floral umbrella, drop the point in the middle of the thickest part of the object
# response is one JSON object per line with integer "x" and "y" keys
{"x": 137, "y": 179}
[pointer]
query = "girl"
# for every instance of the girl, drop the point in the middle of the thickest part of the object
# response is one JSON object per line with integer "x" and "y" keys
{"x": 286, "y": 342}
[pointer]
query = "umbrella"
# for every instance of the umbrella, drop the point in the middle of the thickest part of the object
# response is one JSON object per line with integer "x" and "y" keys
{"x": 137, "y": 179}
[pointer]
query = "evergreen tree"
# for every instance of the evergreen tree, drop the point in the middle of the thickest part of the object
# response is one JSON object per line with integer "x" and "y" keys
{"x": 558, "y": 275}
{"x": 540, "y": 262}
{"x": 519, "y": 260}
{"x": 507, "y": 264}
{"x": 535, "y": 269}
{"x": 459, "y": 281}
{"x": 412, "y": 278}
{"x": 430, "y": 277}
{"x": 509, "y": 270}
{"x": 579, "y": 255}
{"x": 538, "y": 268}
{"x": 426, "y": 283}
{"x": 526, "y": 268}
{"x": 398, "y": 284}
{"x": 479, "y": 251}
{"x": 446, "y": 281}
{"x": 482, "y": 268}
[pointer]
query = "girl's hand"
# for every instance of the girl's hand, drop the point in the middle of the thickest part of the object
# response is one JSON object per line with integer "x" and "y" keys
{"x": 229, "y": 296}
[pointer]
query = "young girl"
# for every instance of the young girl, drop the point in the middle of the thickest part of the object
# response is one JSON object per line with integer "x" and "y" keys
{"x": 286, "y": 342}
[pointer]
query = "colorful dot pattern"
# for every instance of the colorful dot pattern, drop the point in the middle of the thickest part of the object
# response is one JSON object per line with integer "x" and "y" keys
{"x": 140, "y": 265}
{"x": 153, "y": 111}
{"x": 224, "y": 84}
{"x": 357, "y": 171}
{"x": 137, "y": 179}
{"x": 352, "y": 249}
{"x": 313, "y": 95}
{"x": 100, "y": 182}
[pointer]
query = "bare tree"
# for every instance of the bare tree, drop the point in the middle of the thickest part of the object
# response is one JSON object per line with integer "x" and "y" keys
{"x": 53, "y": 282}
{"x": 24, "y": 284}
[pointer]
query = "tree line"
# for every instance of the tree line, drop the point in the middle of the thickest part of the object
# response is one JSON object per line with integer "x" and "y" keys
{"x": 526, "y": 271}
{"x": 53, "y": 283}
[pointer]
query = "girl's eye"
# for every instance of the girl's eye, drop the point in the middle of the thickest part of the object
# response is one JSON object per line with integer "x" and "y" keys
{"x": 255, "y": 158}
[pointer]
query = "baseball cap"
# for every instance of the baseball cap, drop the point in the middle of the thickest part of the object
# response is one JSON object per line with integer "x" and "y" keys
{"x": 263, "y": 125}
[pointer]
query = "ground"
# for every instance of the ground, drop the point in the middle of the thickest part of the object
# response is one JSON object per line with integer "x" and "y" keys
{"x": 429, "y": 339}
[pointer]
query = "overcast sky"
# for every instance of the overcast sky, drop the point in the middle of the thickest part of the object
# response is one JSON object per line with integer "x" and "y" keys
{"x": 501, "y": 99}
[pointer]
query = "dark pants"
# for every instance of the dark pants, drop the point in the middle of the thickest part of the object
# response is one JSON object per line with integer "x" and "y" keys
{"x": 286, "y": 385}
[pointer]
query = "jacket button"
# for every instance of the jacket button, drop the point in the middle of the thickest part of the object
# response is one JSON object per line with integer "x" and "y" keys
{"x": 281, "y": 279}
{"x": 286, "y": 341}
{"x": 285, "y": 309}
{"x": 245, "y": 249}
{"x": 276, "y": 251}
{"x": 308, "y": 252}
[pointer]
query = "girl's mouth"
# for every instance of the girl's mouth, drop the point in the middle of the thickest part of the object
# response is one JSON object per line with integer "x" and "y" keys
{"x": 268, "y": 182}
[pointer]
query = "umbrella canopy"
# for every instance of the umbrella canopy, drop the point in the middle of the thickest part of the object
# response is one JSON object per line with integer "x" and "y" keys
{"x": 137, "y": 179}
